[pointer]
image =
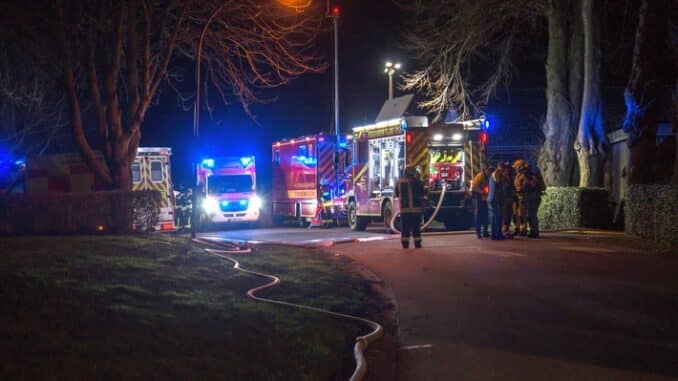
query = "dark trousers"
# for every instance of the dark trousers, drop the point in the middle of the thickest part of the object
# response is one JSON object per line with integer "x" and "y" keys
{"x": 481, "y": 214}
{"x": 496, "y": 217}
{"x": 411, "y": 225}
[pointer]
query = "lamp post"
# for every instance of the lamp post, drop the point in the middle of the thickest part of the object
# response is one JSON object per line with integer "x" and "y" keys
{"x": 334, "y": 15}
{"x": 196, "y": 118}
{"x": 390, "y": 68}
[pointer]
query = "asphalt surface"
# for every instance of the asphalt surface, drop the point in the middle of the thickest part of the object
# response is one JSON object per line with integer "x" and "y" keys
{"x": 564, "y": 307}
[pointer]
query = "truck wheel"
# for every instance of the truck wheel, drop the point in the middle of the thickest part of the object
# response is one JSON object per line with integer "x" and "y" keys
{"x": 355, "y": 222}
{"x": 387, "y": 212}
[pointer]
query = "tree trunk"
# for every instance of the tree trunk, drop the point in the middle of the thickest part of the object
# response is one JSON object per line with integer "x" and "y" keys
{"x": 556, "y": 159}
{"x": 591, "y": 142}
{"x": 643, "y": 90}
{"x": 576, "y": 82}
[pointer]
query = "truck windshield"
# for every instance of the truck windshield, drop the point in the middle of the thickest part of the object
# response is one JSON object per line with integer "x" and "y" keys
{"x": 229, "y": 184}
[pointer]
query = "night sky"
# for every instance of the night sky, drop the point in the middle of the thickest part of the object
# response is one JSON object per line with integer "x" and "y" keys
{"x": 369, "y": 36}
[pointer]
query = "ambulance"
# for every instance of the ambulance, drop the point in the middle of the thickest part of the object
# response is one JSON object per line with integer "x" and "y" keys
{"x": 68, "y": 173}
{"x": 151, "y": 170}
{"x": 310, "y": 172}
{"x": 446, "y": 155}
{"x": 229, "y": 190}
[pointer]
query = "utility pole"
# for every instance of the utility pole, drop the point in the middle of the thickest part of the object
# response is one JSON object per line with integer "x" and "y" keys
{"x": 196, "y": 120}
{"x": 390, "y": 68}
{"x": 337, "y": 130}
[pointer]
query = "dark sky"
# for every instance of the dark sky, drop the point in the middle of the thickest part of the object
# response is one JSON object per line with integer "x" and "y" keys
{"x": 369, "y": 33}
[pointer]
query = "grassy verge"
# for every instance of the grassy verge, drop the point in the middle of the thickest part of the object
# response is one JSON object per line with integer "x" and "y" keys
{"x": 158, "y": 308}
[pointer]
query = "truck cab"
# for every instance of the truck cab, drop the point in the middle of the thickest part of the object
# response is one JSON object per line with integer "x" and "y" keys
{"x": 229, "y": 190}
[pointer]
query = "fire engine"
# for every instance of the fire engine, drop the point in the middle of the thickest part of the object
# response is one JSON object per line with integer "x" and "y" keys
{"x": 151, "y": 170}
{"x": 67, "y": 173}
{"x": 307, "y": 172}
{"x": 228, "y": 186}
{"x": 447, "y": 155}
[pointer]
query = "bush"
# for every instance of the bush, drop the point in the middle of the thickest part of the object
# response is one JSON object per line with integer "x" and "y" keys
{"x": 574, "y": 207}
{"x": 70, "y": 213}
{"x": 651, "y": 213}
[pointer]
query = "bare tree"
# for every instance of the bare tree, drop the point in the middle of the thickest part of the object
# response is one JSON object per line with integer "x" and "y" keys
{"x": 564, "y": 81}
{"x": 117, "y": 55}
{"x": 32, "y": 114}
{"x": 643, "y": 88}
{"x": 591, "y": 144}
{"x": 452, "y": 39}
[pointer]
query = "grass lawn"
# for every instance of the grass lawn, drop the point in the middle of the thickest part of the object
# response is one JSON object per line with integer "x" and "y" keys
{"x": 87, "y": 307}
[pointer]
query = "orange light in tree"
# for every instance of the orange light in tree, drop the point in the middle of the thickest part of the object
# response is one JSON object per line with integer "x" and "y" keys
{"x": 100, "y": 228}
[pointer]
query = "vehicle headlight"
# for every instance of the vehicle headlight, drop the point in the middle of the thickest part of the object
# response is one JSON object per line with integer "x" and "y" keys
{"x": 256, "y": 202}
{"x": 210, "y": 205}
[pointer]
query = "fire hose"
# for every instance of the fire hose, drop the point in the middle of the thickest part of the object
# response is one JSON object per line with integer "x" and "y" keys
{"x": 431, "y": 219}
{"x": 361, "y": 342}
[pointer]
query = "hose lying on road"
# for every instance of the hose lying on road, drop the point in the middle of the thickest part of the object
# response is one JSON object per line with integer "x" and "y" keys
{"x": 361, "y": 343}
{"x": 427, "y": 223}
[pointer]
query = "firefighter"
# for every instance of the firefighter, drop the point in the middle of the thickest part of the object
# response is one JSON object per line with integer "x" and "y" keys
{"x": 479, "y": 190}
{"x": 508, "y": 193}
{"x": 495, "y": 200}
{"x": 410, "y": 190}
{"x": 184, "y": 203}
{"x": 536, "y": 188}
{"x": 524, "y": 191}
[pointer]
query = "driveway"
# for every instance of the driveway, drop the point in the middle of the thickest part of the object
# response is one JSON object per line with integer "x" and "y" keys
{"x": 564, "y": 307}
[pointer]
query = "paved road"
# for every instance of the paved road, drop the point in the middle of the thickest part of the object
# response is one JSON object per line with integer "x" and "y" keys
{"x": 300, "y": 236}
{"x": 565, "y": 307}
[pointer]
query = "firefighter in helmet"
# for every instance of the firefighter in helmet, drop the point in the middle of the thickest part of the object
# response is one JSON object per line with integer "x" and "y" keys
{"x": 508, "y": 193}
{"x": 534, "y": 191}
{"x": 410, "y": 190}
{"x": 480, "y": 189}
{"x": 184, "y": 203}
{"x": 524, "y": 191}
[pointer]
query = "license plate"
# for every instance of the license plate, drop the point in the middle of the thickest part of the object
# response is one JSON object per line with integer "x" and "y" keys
{"x": 444, "y": 174}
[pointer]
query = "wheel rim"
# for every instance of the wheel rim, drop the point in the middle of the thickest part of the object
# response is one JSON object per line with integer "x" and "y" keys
{"x": 352, "y": 215}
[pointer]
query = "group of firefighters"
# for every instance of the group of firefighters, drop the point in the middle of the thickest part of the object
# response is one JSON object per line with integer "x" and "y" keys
{"x": 504, "y": 195}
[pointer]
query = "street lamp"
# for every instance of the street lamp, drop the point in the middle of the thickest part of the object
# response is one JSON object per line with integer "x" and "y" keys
{"x": 390, "y": 68}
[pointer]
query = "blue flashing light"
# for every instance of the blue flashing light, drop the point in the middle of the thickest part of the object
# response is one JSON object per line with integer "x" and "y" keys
{"x": 403, "y": 124}
{"x": 342, "y": 144}
{"x": 224, "y": 203}
{"x": 486, "y": 124}
{"x": 209, "y": 163}
{"x": 246, "y": 161}
{"x": 242, "y": 202}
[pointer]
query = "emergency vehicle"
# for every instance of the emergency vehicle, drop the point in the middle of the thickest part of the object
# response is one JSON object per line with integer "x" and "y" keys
{"x": 67, "y": 173}
{"x": 151, "y": 170}
{"x": 310, "y": 172}
{"x": 228, "y": 186}
{"x": 447, "y": 155}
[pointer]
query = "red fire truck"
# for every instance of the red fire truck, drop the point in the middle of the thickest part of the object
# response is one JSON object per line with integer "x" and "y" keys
{"x": 307, "y": 171}
{"x": 229, "y": 186}
{"x": 446, "y": 155}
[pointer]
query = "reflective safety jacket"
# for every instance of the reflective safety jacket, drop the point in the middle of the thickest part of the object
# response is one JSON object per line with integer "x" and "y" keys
{"x": 411, "y": 194}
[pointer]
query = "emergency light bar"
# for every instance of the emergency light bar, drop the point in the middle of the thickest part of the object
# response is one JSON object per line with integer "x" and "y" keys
{"x": 404, "y": 123}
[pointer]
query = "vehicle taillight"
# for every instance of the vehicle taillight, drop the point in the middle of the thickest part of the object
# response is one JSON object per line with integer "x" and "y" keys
{"x": 483, "y": 137}
{"x": 408, "y": 138}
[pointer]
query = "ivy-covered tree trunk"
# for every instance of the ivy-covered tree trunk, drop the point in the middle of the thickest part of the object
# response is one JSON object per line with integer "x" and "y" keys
{"x": 643, "y": 89}
{"x": 591, "y": 143}
{"x": 556, "y": 158}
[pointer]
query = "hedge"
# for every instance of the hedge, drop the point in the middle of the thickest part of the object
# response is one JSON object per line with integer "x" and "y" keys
{"x": 574, "y": 207}
{"x": 651, "y": 212}
{"x": 70, "y": 213}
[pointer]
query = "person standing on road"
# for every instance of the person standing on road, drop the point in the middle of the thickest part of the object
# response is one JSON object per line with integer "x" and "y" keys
{"x": 479, "y": 190}
{"x": 410, "y": 191}
{"x": 495, "y": 200}
{"x": 508, "y": 193}
{"x": 524, "y": 192}
{"x": 535, "y": 188}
